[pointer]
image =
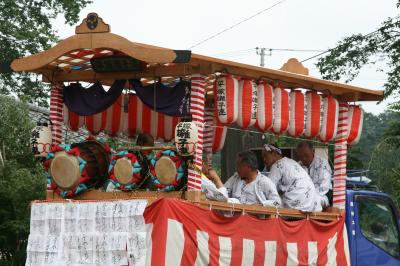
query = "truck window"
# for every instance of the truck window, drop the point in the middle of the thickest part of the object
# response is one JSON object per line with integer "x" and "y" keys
{"x": 379, "y": 225}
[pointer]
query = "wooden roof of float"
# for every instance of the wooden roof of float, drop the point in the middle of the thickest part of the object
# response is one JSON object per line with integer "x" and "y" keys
{"x": 69, "y": 60}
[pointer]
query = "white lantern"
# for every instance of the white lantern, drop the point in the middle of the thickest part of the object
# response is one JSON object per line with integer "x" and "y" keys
{"x": 226, "y": 95}
{"x": 186, "y": 138}
{"x": 41, "y": 139}
{"x": 330, "y": 116}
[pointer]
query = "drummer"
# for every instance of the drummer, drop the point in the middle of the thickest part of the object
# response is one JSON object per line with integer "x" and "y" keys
{"x": 246, "y": 186}
{"x": 145, "y": 140}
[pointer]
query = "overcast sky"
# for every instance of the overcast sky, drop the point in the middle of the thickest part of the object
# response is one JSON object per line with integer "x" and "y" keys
{"x": 294, "y": 24}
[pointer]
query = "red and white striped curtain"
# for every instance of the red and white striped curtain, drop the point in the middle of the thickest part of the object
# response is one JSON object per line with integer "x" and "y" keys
{"x": 177, "y": 237}
{"x": 129, "y": 116}
{"x": 56, "y": 113}
{"x": 197, "y": 101}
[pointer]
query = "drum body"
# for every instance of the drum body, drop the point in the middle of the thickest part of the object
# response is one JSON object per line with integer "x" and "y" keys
{"x": 125, "y": 172}
{"x": 75, "y": 168}
{"x": 167, "y": 171}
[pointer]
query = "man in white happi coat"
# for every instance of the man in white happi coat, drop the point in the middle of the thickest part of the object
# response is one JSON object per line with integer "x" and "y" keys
{"x": 292, "y": 181}
{"x": 246, "y": 186}
{"x": 317, "y": 168}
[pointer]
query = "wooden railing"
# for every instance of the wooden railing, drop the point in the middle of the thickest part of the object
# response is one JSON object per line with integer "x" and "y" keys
{"x": 330, "y": 214}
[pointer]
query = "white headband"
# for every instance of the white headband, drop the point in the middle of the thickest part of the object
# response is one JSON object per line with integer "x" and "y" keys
{"x": 269, "y": 147}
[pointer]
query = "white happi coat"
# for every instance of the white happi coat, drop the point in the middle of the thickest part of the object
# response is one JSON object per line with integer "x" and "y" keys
{"x": 235, "y": 190}
{"x": 321, "y": 174}
{"x": 294, "y": 185}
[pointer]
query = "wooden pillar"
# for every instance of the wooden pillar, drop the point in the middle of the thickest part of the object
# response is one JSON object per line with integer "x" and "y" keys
{"x": 56, "y": 113}
{"x": 340, "y": 159}
{"x": 197, "y": 102}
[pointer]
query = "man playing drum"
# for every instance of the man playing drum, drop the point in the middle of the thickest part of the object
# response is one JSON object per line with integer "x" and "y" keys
{"x": 292, "y": 181}
{"x": 246, "y": 186}
{"x": 145, "y": 140}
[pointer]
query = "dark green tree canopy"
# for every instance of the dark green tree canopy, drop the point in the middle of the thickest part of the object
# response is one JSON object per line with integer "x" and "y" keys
{"x": 26, "y": 28}
{"x": 353, "y": 52}
{"x": 21, "y": 180}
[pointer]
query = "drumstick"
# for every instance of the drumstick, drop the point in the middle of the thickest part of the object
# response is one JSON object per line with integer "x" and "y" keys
{"x": 146, "y": 148}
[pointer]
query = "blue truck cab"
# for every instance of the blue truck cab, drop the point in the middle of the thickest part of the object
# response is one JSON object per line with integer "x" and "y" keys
{"x": 372, "y": 222}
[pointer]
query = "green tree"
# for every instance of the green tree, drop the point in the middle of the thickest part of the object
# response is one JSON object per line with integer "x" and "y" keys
{"x": 375, "y": 152}
{"x": 385, "y": 169}
{"x": 374, "y": 131}
{"x": 21, "y": 180}
{"x": 26, "y": 28}
{"x": 392, "y": 133}
{"x": 378, "y": 149}
{"x": 354, "y": 52}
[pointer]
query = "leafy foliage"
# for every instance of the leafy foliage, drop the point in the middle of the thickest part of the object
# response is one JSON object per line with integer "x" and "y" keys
{"x": 21, "y": 181}
{"x": 385, "y": 169}
{"x": 375, "y": 152}
{"x": 379, "y": 147}
{"x": 375, "y": 130}
{"x": 352, "y": 53}
{"x": 392, "y": 133}
{"x": 26, "y": 28}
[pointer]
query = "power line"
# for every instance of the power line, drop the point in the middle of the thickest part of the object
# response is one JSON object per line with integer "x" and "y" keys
{"x": 262, "y": 52}
{"x": 327, "y": 51}
{"x": 294, "y": 50}
{"x": 243, "y": 51}
{"x": 270, "y": 50}
{"x": 237, "y": 24}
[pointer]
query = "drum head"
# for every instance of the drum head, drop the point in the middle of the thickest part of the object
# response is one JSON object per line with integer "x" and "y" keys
{"x": 64, "y": 170}
{"x": 165, "y": 170}
{"x": 123, "y": 171}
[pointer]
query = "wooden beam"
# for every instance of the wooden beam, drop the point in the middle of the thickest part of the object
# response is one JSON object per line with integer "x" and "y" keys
{"x": 176, "y": 70}
{"x": 101, "y": 195}
{"x": 94, "y": 41}
{"x": 269, "y": 211}
{"x": 289, "y": 79}
{"x": 205, "y": 65}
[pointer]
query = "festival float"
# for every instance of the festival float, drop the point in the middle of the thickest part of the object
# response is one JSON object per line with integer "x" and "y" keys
{"x": 156, "y": 213}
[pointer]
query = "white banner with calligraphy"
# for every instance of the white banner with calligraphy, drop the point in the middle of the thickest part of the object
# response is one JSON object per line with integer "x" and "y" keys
{"x": 87, "y": 233}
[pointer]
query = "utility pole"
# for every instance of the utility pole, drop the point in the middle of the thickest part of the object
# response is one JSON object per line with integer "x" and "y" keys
{"x": 262, "y": 54}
